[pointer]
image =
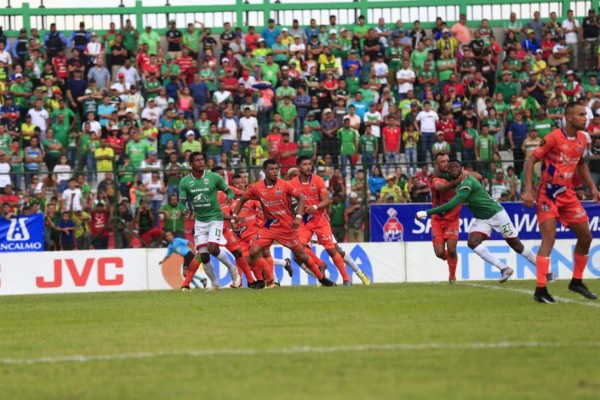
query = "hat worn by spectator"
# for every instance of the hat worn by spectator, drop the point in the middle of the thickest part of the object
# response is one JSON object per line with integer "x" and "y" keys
{"x": 440, "y": 133}
{"x": 190, "y": 133}
{"x": 327, "y": 110}
{"x": 390, "y": 177}
{"x": 353, "y": 195}
{"x": 332, "y": 32}
{"x": 499, "y": 171}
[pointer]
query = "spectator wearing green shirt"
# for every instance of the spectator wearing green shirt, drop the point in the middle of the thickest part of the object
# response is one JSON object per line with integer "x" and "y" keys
{"x": 337, "y": 217}
{"x": 391, "y": 189}
{"x": 130, "y": 37}
{"x": 307, "y": 145}
{"x": 150, "y": 38}
{"x": 348, "y": 138}
{"x": 126, "y": 176}
{"x": 542, "y": 124}
{"x": 485, "y": 145}
{"x": 191, "y": 143}
{"x": 191, "y": 40}
{"x": 369, "y": 147}
{"x": 440, "y": 145}
{"x": 212, "y": 144}
{"x": 136, "y": 149}
{"x": 288, "y": 113}
{"x": 173, "y": 216}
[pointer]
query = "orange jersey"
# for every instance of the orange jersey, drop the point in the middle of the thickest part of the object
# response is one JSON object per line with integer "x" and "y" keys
{"x": 276, "y": 202}
{"x": 312, "y": 192}
{"x": 227, "y": 208}
{"x": 251, "y": 217}
{"x": 560, "y": 156}
{"x": 439, "y": 198}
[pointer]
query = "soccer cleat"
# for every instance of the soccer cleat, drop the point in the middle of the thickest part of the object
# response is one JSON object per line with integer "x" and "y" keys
{"x": 213, "y": 288}
{"x": 271, "y": 285}
{"x": 185, "y": 289}
{"x": 288, "y": 267}
{"x": 541, "y": 295}
{"x": 347, "y": 283}
{"x": 550, "y": 277}
{"x": 506, "y": 274}
{"x": 326, "y": 282}
{"x": 204, "y": 282}
{"x": 579, "y": 287}
{"x": 237, "y": 281}
{"x": 257, "y": 285}
{"x": 452, "y": 281}
{"x": 364, "y": 278}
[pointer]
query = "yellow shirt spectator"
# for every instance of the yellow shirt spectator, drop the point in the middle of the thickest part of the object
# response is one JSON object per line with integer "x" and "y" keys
{"x": 104, "y": 159}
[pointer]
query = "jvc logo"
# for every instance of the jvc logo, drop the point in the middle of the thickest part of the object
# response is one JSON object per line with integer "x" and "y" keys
{"x": 81, "y": 276}
{"x": 18, "y": 231}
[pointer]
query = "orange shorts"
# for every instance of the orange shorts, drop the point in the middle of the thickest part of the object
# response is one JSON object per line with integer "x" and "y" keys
{"x": 443, "y": 229}
{"x": 266, "y": 236}
{"x": 321, "y": 228}
{"x": 566, "y": 208}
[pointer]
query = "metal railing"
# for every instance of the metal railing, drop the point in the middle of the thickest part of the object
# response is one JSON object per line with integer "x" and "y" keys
{"x": 258, "y": 12}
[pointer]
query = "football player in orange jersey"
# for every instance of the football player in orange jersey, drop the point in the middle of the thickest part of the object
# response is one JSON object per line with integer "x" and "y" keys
{"x": 280, "y": 225}
{"x": 561, "y": 153}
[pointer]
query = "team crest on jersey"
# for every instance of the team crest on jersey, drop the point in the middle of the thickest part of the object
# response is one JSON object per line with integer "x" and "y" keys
{"x": 313, "y": 188}
{"x": 278, "y": 191}
{"x": 545, "y": 207}
{"x": 543, "y": 142}
{"x": 393, "y": 231}
{"x": 206, "y": 181}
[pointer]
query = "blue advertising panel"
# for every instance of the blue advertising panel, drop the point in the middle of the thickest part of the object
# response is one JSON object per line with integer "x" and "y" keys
{"x": 22, "y": 233}
{"x": 397, "y": 223}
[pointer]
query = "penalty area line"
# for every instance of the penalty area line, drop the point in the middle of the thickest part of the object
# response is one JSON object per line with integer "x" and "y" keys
{"x": 530, "y": 292}
{"x": 295, "y": 350}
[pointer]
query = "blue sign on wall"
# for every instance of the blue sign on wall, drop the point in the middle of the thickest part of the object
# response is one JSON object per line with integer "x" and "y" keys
{"x": 397, "y": 223}
{"x": 22, "y": 233}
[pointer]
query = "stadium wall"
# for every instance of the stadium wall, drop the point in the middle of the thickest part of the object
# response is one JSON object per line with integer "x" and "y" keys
{"x": 138, "y": 269}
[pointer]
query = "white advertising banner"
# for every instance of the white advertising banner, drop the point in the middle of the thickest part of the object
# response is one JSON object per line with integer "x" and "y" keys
{"x": 73, "y": 271}
{"x": 423, "y": 266}
{"x": 138, "y": 269}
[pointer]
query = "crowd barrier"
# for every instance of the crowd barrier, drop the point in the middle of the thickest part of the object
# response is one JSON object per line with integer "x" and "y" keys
{"x": 138, "y": 269}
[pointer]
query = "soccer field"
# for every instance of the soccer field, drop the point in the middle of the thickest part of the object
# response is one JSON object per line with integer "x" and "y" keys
{"x": 387, "y": 341}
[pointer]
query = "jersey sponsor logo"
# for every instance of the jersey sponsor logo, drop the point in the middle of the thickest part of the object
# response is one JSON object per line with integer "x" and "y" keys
{"x": 206, "y": 181}
{"x": 278, "y": 191}
{"x": 393, "y": 231}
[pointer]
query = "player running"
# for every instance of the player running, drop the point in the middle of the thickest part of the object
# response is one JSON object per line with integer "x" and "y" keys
{"x": 444, "y": 227}
{"x": 489, "y": 216}
{"x": 275, "y": 197}
{"x": 561, "y": 154}
{"x": 293, "y": 175}
{"x": 185, "y": 249}
{"x": 200, "y": 188}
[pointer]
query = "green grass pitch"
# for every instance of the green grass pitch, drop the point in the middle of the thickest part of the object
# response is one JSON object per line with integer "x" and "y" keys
{"x": 387, "y": 341}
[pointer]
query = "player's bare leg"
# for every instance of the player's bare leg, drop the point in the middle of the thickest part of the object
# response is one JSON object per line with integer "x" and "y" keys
{"x": 475, "y": 243}
{"x": 350, "y": 262}
{"x": 214, "y": 249}
{"x": 447, "y": 251}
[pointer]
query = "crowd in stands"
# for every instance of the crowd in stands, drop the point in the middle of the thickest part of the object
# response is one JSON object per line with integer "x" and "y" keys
{"x": 95, "y": 129}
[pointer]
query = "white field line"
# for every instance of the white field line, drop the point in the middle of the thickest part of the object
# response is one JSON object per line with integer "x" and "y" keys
{"x": 294, "y": 350}
{"x": 588, "y": 303}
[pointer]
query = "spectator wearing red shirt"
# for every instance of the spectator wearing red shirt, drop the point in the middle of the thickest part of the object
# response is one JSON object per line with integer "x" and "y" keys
{"x": 99, "y": 221}
{"x": 274, "y": 141}
{"x": 459, "y": 88}
{"x": 252, "y": 39}
{"x": 287, "y": 153}
{"x": 212, "y": 114}
{"x": 184, "y": 61}
{"x": 391, "y": 137}
{"x": 143, "y": 58}
{"x": 547, "y": 46}
{"x": 230, "y": 81}
{"x": 10, "y": 198}
{"x": 424, "y": 175}
{"x": 151, "y": 67}
{"x": 448, "y": 126}
{"x": 468, "y": 142}
{"x": 60, "y": 64}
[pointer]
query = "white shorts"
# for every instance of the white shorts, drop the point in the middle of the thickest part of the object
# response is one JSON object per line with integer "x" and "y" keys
{"x": 500, "y": 223}
{"x": 209, "y": 232}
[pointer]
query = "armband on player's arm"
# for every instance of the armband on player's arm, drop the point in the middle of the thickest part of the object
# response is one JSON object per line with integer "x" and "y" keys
{"x": 460, "y": 197}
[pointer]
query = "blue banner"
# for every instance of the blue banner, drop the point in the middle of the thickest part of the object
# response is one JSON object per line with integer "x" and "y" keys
{"x": 22, "y": 233}
{"x": 397, "y": 223}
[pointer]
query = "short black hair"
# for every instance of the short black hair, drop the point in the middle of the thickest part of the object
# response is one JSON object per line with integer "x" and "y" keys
{"x": 267, "y": 162}
{"x": 439, "y": 154}
{"x": 301, "y": 159}
{"x": 217, "y": 169}
{"x": 194, "y": 155}
{"x": 454, "y": 160}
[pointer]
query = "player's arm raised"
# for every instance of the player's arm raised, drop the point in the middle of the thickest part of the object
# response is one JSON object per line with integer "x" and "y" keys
{"x": 584, "y": 171}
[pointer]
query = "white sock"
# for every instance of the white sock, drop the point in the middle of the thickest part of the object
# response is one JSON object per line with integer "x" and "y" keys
{"x": 308, "y": 271}
{"x": 279, "y": 262}
{"x": 528, "y": 254}
{"x": 209, "y": 269}
{"x": 483, "y": 252}
{"x": 350, "y": 262}
{"x": 222, "y": 257}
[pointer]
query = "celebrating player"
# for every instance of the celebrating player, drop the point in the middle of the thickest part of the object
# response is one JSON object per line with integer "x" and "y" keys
{"x": 275, "y": 196}
{"x": 561, "y": 155}
{"x": 200, "y": 188}
{"x": 489, "y": 215}
{"x": 185, "y": 249}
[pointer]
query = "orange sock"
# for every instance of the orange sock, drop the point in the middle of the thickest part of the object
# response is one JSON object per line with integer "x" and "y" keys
{"x": 268, "y": 269}
{"x": 452, "y": 262}
{"x": 542, "y": 265}
{"x": 339, "y": 263}
{"x": 192, "y": 268}
{"x": 243, "y": 266}
{"x": 314, "y": 258}
{"x": 314, "y": 269}
{"x": 257, "y": 268}
{"x": 579, "y": 263}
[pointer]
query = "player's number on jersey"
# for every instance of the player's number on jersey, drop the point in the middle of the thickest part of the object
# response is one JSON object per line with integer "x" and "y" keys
{"x": 218, "y": 232}
{"x": 506, "y": 229}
